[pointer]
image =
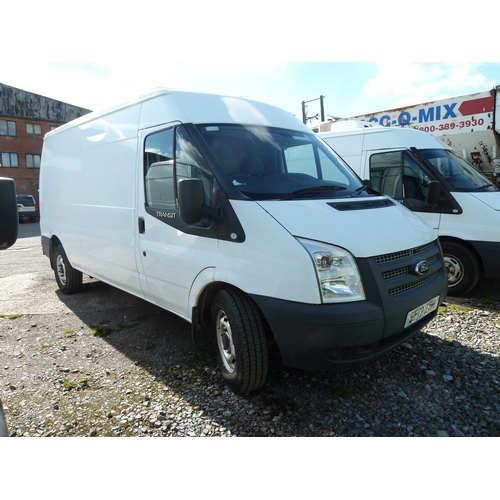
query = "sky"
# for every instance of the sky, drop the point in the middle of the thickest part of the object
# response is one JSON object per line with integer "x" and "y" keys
{"x": 362, "y": 57}
{"x": 349, "y": 88}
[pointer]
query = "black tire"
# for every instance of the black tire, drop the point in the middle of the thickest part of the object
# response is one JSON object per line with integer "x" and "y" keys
{"x": 240, "y": 341}
{"x": 462, "y": 267}
{"x": 68, "y": 279}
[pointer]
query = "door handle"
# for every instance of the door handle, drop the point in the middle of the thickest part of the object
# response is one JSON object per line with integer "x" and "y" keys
{"x": 142, "y": 225}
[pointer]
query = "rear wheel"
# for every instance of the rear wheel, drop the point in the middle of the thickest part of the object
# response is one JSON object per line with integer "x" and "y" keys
{"x": 240, "y": 340}
{"x": 462, "y": 267}
{"x": 68, "y": 279}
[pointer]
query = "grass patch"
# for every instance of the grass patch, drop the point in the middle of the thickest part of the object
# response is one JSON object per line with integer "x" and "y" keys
{"x": 341, "y": 391}
{"x": 10, "y": 316}
{"x": 76, "y": 384}
{"x": 101, "y": 329}
{"x": 133, "y": 322}
{"x": 454, "y": 309}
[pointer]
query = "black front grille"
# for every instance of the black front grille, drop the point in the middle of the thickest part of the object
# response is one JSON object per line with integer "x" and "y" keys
{"x": 390, "y": 257}
{"x": 398, "y": 269}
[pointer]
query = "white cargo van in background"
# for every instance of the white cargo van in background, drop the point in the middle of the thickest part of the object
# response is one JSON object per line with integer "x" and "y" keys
{"x": 429, "y": 178}
{"x": 233, "y": 215}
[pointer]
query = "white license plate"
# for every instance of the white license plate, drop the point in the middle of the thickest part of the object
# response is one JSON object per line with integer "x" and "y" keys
{"x": 419, "y": 312}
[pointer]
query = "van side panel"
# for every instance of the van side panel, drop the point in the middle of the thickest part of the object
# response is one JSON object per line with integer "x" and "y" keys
{"x": 60, "y": 195}
{"x": 351, "y": 147}
{"x": 108, "y": 225}
{"x": 88, "y": 195}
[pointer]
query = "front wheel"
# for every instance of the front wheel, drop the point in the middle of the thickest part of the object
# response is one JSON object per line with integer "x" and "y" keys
{"x": 68, "y": 278}
{"x": 240, "y": 341}
{"x": 462, "y": 267}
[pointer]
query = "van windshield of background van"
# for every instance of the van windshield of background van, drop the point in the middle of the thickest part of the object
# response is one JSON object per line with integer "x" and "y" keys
{"x": 459, "y": 175}
{"x": 273, "y": 163}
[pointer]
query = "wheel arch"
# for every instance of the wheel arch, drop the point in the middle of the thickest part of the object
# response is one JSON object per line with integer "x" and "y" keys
{"x": 53, "y": 242}
{"x": 201, "y": 311}
{"x": 467, "y": 244}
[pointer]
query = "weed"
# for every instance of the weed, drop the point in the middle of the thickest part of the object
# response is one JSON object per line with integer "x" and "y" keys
{"x": 10, "y": 316}
{"x": 454, "y": 309}
{"x": 76, "y": 384}
{"x": 134, "y": 322}
{"x": 101, "y": 331}
{"x": 341, "y": 391}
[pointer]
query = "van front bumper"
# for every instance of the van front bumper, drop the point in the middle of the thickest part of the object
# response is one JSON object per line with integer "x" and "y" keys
{"x": 338, "y": 336}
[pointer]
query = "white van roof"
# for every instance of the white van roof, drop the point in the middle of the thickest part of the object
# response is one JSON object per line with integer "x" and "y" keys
{"x": 164, "y": 105}
{"x": 379, "y": 137}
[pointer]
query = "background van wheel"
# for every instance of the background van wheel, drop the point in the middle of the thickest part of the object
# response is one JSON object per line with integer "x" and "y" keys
{"x": 68, "y": 279}
{"x": 462, "y": 267}
{"x": 240, "y": 341}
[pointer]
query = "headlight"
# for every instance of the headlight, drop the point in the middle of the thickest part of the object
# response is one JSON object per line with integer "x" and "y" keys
{"x": 338, "y": 274}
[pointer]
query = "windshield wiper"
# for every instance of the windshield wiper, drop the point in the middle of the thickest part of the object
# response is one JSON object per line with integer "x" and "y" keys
{"x": 361, "y": 189}
{"x": 312, "y": 191}
{"x": 482, "y": 188}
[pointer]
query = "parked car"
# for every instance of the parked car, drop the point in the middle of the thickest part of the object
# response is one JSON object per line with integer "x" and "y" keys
{"x": 27, "y": 208}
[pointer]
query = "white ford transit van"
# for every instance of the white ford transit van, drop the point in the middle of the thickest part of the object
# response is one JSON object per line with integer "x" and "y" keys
{"x": 429, "y": 178}
{"x": 233, "y": 215}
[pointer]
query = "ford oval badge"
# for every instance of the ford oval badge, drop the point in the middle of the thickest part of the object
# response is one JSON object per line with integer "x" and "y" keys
{"x": 422, "y": 267}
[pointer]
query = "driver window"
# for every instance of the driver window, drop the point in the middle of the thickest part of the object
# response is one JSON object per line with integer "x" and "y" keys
{"x": 159, "y": 170}
{"x": 386, "y": 174}
{"x": 398, "y": 175}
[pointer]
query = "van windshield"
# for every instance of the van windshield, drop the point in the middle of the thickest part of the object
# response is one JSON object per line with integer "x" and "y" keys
{"x": 460, "y": 175}
{"x": 273, "y": 163}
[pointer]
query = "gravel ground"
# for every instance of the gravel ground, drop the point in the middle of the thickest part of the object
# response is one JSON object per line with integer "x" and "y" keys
{"x": 104, "y": 363}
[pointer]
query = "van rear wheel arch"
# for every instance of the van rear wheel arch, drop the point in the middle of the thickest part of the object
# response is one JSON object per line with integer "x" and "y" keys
{"x": 67, "y": 277}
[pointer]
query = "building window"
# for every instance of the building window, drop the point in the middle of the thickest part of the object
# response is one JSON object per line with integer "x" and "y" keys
{"x": 34, "y": 128}
{"x": 9, "y": 160}
{"x": 7, "y": 128}
{"x": 32, "y": 161}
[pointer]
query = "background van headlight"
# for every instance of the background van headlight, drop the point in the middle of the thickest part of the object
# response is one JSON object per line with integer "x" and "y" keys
{"x": 337, "y": 272}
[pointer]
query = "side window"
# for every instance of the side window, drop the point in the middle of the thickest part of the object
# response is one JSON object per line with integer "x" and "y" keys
{"x": 159, "y": 169}
{"x": 189, "y": 163}
{"x": 386, "y": 174}
{"x": 399, "y": 175}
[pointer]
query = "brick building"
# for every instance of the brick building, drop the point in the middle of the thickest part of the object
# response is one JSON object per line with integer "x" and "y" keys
{"x": 24, "y": 119}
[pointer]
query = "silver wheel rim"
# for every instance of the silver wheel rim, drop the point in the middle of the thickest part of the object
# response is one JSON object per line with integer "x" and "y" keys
{"x": 61, "y": 270}
{"x": 225, "y": 342}
{"x": 454, "y": 268}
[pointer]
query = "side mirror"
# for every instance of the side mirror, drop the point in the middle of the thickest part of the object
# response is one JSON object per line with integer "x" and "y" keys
{"x": 433, "y": 192}
{"x": 191, "y": 200}
{"x": 9, "y": 217}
